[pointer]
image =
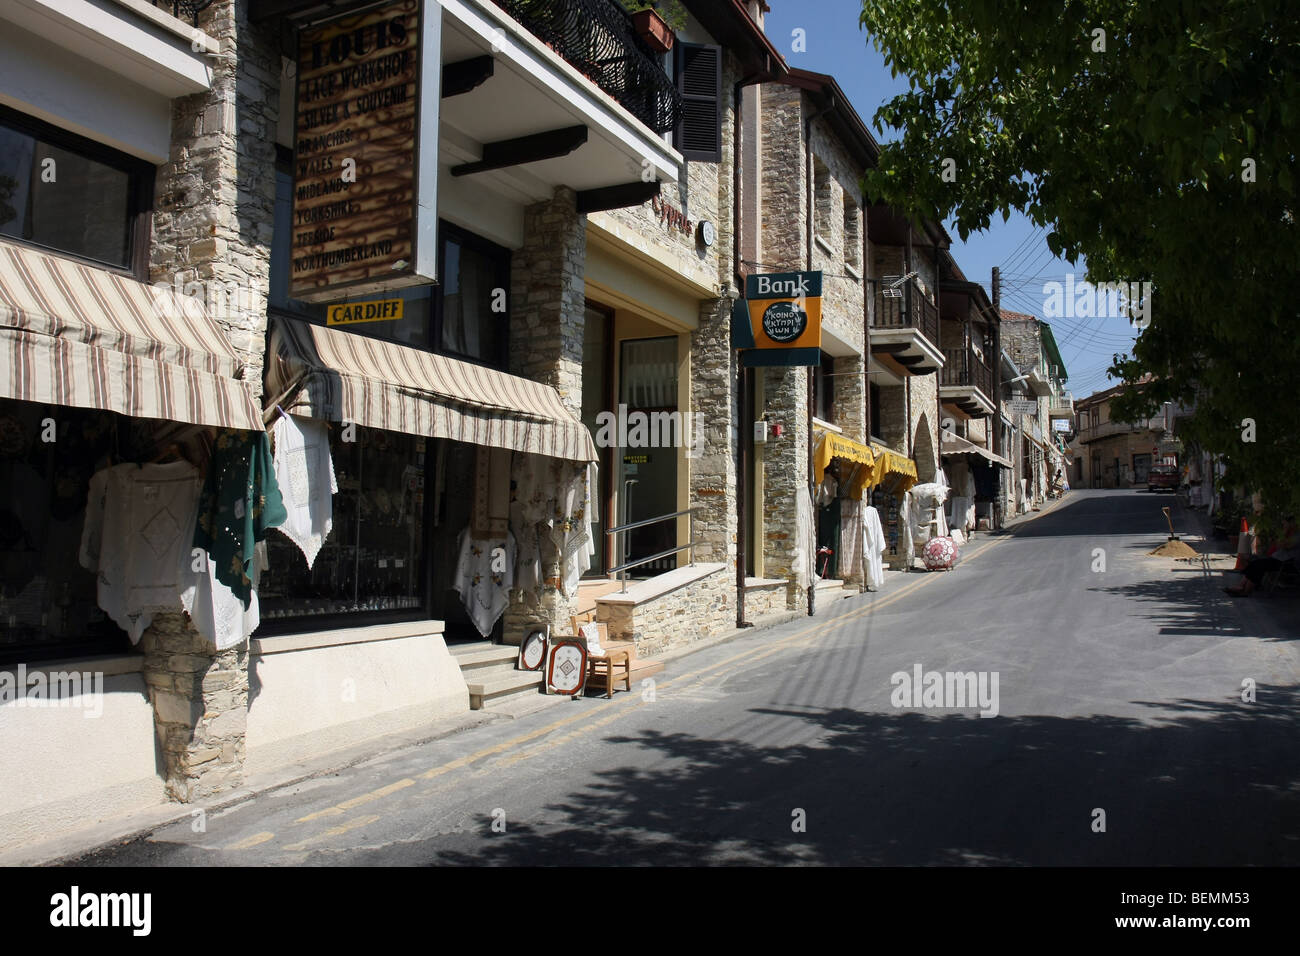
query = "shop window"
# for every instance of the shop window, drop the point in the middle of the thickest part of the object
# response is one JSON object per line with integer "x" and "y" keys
{"x": 372, "y": 565}
{"x": 473, "y": 307}
{"x": 824, "y": 389}
{"x": 699, "y": 78}
{"x": 73, "y": 196}
{"x": 49, "y": 605}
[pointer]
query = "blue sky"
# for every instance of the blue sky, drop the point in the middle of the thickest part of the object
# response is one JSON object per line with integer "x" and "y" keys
{"x": 837, "y": 45}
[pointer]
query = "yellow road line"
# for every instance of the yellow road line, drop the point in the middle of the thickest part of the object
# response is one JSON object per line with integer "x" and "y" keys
{"x": 254, "y": 840}
{"x": 347, "y": 805}
{"x": 334, "y": 831}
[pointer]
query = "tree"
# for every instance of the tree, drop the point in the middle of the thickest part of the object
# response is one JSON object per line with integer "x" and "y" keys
{"x": 1158, "y": 141}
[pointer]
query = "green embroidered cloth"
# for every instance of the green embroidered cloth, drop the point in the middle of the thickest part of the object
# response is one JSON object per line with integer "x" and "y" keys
{"x": 240, "y": 502}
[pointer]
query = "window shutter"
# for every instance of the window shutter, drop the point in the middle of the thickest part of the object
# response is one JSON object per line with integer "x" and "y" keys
{"x": 699, "y": 80}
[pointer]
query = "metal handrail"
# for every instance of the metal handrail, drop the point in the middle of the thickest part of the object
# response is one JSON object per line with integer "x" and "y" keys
{"x": 655, "y": 557}
{"x": 642, "y": 524}
{"x": 688, "y": 546}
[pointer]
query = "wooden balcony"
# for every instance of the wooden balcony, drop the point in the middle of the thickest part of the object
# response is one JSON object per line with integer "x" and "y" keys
{"x": 905, "y": 327}
{"x": 966, "y": 382}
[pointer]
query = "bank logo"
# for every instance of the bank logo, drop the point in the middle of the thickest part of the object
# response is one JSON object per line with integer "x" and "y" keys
{"x": 784, "y": 321}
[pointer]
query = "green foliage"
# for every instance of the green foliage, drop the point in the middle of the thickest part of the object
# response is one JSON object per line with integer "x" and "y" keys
{"x": 670, "y": 11}
{"x": 1134, "y": 157}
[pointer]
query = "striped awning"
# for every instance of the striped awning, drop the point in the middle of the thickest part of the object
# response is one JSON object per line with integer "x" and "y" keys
{"x": 952, "y": 445}
{"x": 73, "y": 334}
{"x": 344, "y": 377}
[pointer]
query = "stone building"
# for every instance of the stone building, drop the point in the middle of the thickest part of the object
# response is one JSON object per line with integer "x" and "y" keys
{"x": 1116, "y": 454}
{"x": 1031, "y": 349}
{"x": 585, "y": 269}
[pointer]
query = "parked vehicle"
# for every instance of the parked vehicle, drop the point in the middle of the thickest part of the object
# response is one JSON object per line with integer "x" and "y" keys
{"x": 1162, "y": 477}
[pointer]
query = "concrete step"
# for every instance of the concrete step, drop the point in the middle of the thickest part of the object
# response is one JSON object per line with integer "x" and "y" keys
{"x": 490, "y": 685}
{"x": 473, "y": 657}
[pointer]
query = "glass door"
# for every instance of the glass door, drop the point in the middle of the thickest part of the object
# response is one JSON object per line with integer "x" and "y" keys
{"x": 649, "y": 426}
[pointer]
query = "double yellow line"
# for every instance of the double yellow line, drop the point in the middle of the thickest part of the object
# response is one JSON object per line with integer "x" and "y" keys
{"x": 749, "y": 656}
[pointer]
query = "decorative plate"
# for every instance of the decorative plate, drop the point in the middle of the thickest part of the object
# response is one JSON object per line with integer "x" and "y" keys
{"x": 532, "y": 651}
{"x": 940, "y": 554}
{"x": 566, "y": 673}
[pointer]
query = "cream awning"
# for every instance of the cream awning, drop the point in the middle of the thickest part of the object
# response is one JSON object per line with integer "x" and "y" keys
{"x": 73, "y": 334}
{"x": 345, "y": 377}
{"x": 956, "y": 445}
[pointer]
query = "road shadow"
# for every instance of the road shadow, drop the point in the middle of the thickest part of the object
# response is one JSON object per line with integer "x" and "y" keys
{"x": 1197, "y": 783}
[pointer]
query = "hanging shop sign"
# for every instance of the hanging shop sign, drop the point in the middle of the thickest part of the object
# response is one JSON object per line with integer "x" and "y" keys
{"x": 1022, "y": 406}
{"x": 364, "y": 206}
{"x": 1061, "y": 425}
{"x": 779, "y": 322}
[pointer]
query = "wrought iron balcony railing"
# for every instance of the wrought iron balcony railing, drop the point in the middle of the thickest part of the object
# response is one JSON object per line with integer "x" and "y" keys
{"x": 903, "y": 307}
{"x": 961, "y": 366}
{"x": 597, "y": 38}
{"x": 181, "y": 9}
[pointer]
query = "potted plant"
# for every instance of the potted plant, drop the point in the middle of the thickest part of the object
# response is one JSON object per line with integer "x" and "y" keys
{"x": 654, "y": 26}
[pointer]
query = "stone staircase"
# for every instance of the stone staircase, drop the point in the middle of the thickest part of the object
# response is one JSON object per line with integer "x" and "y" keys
{"x": 495, "y": 683}
{"x": 490, "y": 674}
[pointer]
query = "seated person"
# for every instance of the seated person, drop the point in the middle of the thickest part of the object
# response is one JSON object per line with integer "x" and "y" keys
{"x": 1286, "y": 549}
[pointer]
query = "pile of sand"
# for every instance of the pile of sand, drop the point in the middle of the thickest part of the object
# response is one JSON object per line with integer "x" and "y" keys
{"x": 1174, "y": 549}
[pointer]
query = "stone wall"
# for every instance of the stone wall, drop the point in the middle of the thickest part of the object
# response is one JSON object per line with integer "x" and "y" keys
{"x": 785, "y": 472}
{"x": 200, "y": 702}
{"x": 924, "y": 424}
{"x": 214, "y": 208}
{"x": 547, "y": 294}
{"x": 701, "y": 609}
{"x": 212, "y": 225}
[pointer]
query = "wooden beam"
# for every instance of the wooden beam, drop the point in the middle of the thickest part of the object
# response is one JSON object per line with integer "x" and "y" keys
{"x": 525, "y": 149}
{"x": 616, "y": 197}
{"x": 463, "y": 76}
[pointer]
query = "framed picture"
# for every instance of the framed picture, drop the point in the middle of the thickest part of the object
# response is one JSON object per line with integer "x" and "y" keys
{"x": 532, "y": 650}
{"x": 566, "y": 670}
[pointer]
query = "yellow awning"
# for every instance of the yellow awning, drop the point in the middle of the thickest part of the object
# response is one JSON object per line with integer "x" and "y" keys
{"x": 895, "y": 468}
{"x": 846, "y": 449}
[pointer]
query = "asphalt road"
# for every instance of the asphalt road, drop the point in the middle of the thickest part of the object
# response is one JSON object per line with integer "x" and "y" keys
{"x": 1118, "y": 690}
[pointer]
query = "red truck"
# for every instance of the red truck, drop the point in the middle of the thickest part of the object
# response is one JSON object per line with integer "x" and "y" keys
{"x": 1162, "y": 478}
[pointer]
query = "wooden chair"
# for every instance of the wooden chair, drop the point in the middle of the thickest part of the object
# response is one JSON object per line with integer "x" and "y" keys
{"x": 605, "y": 664}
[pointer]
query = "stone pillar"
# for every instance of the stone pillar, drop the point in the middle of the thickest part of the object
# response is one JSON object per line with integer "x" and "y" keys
{"x": 547, "y": 316}
{"x": 785, "y": 473}
{"x": 213, "y": 220}
{"x": 547, "y": 295}
{"x": 715, "y": 402}
{"x": 200, "y": 701}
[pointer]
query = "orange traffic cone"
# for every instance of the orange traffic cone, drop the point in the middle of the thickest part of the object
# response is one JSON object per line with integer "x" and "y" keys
{"x": 1244, "y": 543}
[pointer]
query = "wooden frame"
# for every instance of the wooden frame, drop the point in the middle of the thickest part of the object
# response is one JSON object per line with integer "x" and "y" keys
{"x": 569, "y": 685}
{"x": 536, "y": 637}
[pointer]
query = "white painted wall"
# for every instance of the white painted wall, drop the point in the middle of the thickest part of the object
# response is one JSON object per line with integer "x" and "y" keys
{"x": 299, "y": 704}
{"x": 61, "y": 770}
{"x": 43, "y": 80}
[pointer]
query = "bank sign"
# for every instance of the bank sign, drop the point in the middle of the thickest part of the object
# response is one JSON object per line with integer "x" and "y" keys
{"x": 364, "y": 206}
{"x": 779, "y": 322}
